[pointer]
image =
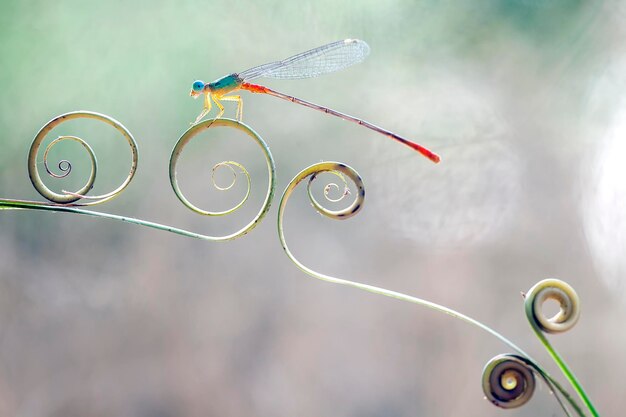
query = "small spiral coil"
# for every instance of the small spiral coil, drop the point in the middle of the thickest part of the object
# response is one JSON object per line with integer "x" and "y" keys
{"x": 508, "y": 381}
{"x": 559, "y": 291}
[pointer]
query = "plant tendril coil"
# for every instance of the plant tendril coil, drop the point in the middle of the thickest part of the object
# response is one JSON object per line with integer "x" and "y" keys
{"x": 65, "y": 166}
{"x": 232, "y": 165}
{"x": 336, "y": 169}
{"x": 332, "y": 186}
{"x": 312, "y": 172}
{"x": 508, "y": 381}
{"x": 559, "y": 291}
{"x": 565, "y": 319}
{"x": 341, "y": 171}
{"x": 229, "y": 165}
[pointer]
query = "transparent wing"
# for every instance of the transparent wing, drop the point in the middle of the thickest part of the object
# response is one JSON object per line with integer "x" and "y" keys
{"x": 322, "y": 60}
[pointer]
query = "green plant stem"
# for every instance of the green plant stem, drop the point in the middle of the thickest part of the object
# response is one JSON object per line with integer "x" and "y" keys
{"x": 34, "y": 205}
{"x": 569, "y": 375}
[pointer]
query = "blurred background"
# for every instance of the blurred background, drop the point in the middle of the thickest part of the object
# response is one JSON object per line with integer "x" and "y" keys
{"x": 523, "y": 99}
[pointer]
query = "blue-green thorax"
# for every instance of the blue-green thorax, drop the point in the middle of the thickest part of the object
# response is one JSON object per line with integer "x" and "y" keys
{"x": 225, "y": 84}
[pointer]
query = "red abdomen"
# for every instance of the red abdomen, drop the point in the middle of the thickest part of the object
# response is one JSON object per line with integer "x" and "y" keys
{"x": 254, "y": 88}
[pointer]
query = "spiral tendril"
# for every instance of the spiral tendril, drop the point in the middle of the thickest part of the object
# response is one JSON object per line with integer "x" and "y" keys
{"x": 565, "y": 319}
{"x": 557, "y": 290}
{"x": 229, "y": 123}
{"x": 334, "y": 186}
{"x": 312, "y": 172}
{"x": 65, "y": 166}
{"x": 327, "y": 191}
{"x": 338, "y": 169}
{"x": 229, "y": 165}
{"x": 508, "y": 381}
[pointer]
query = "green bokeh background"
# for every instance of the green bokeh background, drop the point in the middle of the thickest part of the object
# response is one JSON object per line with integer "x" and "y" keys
{"x": 522, "y": 98}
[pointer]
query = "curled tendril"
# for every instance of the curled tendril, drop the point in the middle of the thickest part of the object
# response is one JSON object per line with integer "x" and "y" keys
{"x": 229, "y": 165}
{"x": 508, "y": 381}
{"x": 339, "y": 170}
{"x": 65, "y": 166}
{"x": 346, "y": 191}
{"x": 559, "y": 291}
{"x": 312, "y": 172}
{"x": 565, "y": 319}
{"x": 232, "y": 165}
{"x": 348, "y": 211}
{"x": 332, "y": 186}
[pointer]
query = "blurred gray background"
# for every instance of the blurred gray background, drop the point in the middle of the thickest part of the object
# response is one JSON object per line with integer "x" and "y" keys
{"x": 525, "y": 101}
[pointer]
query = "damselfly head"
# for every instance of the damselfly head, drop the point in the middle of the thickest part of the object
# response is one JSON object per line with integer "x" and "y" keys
{"x": 196, "y": 88}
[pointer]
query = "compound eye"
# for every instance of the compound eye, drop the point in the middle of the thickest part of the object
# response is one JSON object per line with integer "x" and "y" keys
{"x": 197, "y": 86}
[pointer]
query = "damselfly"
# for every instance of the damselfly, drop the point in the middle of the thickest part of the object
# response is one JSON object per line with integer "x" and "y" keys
{"x": 322, "y": 60}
